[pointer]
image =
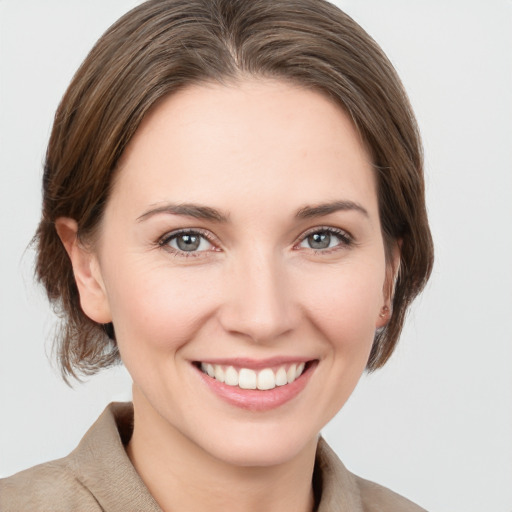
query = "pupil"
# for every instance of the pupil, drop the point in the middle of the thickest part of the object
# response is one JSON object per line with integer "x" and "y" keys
{"x": 188, "y": 242}
{"x": 319, "y": 240}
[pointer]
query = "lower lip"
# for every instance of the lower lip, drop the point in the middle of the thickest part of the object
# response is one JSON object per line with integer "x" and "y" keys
{"x": 255, "y": 399}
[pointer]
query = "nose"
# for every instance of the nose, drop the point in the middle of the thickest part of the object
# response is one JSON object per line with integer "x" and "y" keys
{"x": 259, "y": 303}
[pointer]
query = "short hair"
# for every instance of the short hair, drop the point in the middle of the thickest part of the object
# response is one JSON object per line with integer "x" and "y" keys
{"x": 162, "y": 46}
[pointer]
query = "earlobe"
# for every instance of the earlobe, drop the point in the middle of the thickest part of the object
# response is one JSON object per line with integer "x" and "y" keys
{"x": 384, "y": 317}
{"x": 388, "y": 291}
{"x": 86, "y": 269}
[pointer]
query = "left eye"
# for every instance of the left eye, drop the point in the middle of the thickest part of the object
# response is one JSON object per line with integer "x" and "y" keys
{"x": 324, "y": 239}
{"x": 188, "y": 242}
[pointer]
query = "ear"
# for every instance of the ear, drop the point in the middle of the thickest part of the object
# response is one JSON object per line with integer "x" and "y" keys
{"x": 93, "y": 297}
{"x": 388, "y": 290}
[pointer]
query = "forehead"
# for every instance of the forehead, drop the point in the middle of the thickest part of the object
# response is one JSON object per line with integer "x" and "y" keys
{"x": 209, "y": 143}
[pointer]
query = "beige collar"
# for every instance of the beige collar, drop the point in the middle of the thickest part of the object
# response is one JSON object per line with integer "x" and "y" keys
{"x": 100, "y": 463}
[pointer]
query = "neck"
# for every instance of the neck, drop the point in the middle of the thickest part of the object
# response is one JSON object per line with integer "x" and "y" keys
{"x": 181, "y": 476}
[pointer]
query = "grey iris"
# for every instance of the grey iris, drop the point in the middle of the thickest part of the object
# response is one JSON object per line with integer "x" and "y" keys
{"x": 188, "y": 242}
{"x": 320, "y": 240}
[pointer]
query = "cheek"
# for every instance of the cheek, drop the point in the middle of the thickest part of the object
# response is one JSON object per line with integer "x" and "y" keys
{"x": 157, "y": 310}
{"x": 344, "y": 304}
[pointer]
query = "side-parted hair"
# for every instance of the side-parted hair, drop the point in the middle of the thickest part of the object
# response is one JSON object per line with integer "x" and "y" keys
{"x": 162, "y": 46}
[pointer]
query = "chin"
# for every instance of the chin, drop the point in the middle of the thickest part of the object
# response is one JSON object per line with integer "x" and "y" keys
{"x": 258, "y": 446}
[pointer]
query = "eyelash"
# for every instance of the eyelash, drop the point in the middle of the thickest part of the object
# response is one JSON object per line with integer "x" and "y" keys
{"x": 168, "y": 237}
{"x": 346, "y": 241}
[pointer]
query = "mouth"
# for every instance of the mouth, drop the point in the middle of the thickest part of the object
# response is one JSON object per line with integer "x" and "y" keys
{"x": 256, "y": 386}
{"x": 263, "y": 379}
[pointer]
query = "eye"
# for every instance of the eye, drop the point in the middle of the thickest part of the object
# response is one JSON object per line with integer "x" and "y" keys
{"x": 322, "y": 239}
{"x": 189, "y": 241}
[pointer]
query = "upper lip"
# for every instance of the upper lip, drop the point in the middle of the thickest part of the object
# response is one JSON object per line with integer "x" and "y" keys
{"x": 256, "y": 364}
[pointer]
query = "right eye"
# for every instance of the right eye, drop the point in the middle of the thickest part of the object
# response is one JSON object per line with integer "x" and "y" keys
{"x": 187, "y": 243}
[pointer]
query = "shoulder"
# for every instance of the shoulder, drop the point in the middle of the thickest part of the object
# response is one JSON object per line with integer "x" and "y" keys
{"x": 50, "y": 486}
{"x": 376, "y": 498}
{"x": 96, "y": 476}
{"x": 340, "y": 489}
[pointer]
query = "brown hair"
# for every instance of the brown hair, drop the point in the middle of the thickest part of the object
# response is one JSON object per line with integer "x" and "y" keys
{"x": 163, "y": 45}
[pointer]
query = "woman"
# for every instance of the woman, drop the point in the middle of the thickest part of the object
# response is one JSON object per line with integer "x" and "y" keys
{"x": 234, "y": 207}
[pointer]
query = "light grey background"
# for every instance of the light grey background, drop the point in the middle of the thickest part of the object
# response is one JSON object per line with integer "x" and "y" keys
{"x": 436, "y": 423}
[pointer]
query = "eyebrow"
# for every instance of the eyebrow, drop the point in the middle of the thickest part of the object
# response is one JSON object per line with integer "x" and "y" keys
{"x": 195, "y": 211}
{"x": 308, "y": 212}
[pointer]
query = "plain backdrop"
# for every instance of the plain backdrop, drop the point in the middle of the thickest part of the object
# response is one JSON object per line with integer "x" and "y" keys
{"x": 436, "y": 423}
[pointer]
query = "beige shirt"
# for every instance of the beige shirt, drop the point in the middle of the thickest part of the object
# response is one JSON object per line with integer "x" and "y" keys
{"x": 98, "y": 476}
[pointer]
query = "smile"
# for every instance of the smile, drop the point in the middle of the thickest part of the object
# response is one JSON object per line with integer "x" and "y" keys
{"x": 246, "y": 378}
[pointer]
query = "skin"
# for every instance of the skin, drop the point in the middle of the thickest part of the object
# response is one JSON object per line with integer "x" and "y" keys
{"x": 258, "y": 151}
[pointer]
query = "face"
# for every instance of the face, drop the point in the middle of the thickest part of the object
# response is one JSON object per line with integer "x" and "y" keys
{"x": 241, "y": 248}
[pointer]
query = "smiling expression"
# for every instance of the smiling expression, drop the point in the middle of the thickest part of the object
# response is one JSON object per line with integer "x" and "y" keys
{"x": 241, "y": 261}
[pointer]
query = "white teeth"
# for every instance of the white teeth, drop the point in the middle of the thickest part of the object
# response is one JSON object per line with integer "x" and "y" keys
{"x": 291, "y": 373}
{"x": 231, "y": 377}
{"x": 219, "y": 373}
{"x": 246, "y": 378}
{"x": 281, "y": 378}
{"x": 208, "y": 369}
{"x": 266, "y": 379}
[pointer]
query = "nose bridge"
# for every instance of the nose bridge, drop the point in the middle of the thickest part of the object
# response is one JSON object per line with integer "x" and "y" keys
{"x": 258, "y": 302}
